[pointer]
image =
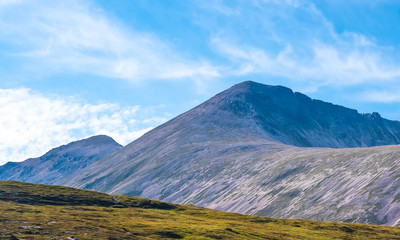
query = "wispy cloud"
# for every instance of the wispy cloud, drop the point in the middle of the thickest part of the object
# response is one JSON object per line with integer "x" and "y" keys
{"x": 294, "y": 40}
{"x": 291, "y": 39}
{"x": 32, "y": 123}
{"x": 75, "y": 36}
{"x": 380, "y": 96}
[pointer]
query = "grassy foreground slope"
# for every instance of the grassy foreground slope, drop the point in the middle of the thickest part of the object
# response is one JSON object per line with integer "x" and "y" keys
{"x": 33, "y": 211}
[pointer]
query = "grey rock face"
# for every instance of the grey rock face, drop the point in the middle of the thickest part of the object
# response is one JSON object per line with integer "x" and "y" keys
{"x": 60, "y": 162}
{"x": 256, "y": 149}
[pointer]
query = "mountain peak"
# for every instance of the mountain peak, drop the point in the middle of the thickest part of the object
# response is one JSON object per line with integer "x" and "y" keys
{"x": 97, "y": 139}
{"x": 249, "y": 92}
{"x": 255, "y": 87}
{"x": 86, "y": 146}
{"x": 250, "y": 84}
{"x": 295, "y": 119}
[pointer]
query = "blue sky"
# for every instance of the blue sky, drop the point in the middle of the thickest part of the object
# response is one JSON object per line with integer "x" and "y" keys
{"x": 72, "y": 69}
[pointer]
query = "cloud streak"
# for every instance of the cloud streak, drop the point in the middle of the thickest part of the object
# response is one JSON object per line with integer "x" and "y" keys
{"x": 381, "y": 96}
{"x": 290, "y": 39}
{"x": 71, "y": 36}
{"x": 294, "y": 40}
{"x": 32, "y": 123}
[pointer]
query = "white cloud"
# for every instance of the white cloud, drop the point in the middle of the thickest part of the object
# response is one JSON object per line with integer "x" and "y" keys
{"x": 325, "y": 65}
{"x": 352, "y": 67}
{"x": 305, "y": 49}
{"x": 32, "y": 123}
{"x": 74, "y": 36}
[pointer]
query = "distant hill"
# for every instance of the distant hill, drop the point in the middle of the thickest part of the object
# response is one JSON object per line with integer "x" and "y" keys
{"x": 60, "y": 162}
{"x": 32, "y": 211}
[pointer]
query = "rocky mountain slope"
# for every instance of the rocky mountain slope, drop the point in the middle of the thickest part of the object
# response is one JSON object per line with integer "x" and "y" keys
{"x": 60, "y": 162}
{"x": 257, "y": 149}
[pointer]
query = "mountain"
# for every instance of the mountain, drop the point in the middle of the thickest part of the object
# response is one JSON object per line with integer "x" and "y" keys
{"x": 293, "y": 118}
{"x": 60, "y": 162}
{"x": 34, "y": 211}
{"x": 263, "y": 150}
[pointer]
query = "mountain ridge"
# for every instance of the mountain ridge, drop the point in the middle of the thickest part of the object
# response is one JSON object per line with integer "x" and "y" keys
{"x": 295, "y": 119}
{"x": 61, "y": 161}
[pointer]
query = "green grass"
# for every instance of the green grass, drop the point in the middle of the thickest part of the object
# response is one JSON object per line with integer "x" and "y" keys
{"x": 32, "y": 211}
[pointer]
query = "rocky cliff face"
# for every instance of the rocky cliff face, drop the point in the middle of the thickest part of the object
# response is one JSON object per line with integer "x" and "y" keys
{"x": 256, "y": 149}
{"x": 60, "y": 162}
